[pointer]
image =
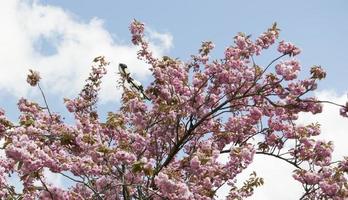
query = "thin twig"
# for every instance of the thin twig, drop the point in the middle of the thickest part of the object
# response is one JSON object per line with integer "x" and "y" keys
{"x": 44, "y": 98}
{"x": 46, "y": 188}
{"x": 269, "y": 154}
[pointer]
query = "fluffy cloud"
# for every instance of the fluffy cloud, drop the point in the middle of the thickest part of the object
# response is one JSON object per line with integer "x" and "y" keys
{"x": 277, "y": 174}
{"x": 333, "y": 126}
{"x": 51, "y": 40}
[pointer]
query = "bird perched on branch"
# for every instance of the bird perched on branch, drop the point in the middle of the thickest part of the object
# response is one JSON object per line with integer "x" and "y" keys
{"x": 135, "y": 85}
{"x": 123, "y": 69}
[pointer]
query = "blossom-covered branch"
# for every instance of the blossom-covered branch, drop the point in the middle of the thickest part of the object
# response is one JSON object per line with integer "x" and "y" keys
{"x": 167, "y": 145}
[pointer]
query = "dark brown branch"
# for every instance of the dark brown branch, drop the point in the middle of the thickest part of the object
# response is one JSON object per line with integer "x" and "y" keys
{"x": 44, "y": 98}
{"x": 82, "y": 182}
{"x": 277, "y": 156}
{"x": 328, "y": 102}
{"x": 274, "y": 60}
{"x": 269, "y": 154}
{"x": 45, "y": 186}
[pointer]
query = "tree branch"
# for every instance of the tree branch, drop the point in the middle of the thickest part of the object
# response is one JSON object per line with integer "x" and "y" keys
{"x": 44, "y": 98}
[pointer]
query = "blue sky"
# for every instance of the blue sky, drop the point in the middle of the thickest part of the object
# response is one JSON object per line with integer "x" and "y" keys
{"x": 61, "y": 37}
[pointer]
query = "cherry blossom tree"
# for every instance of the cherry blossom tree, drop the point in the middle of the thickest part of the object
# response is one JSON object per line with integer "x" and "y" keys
{"x": 167, "y": 145}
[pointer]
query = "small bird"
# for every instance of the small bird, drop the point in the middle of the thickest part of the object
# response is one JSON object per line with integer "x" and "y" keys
{"x": 136, "y": 86}
{"x": 123, "y": 69}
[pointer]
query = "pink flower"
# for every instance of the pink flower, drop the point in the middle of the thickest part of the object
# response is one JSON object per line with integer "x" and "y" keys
{"x": 33, "y": 78}
{"x": 195, "y": 163}
{"x": 317, "y": 72}
{"x": 137, "y": 30}
{"x": 172, "y": 189}
{"x": 255, "y": 113}
{"x": 288, "y": 69}
{"x": 344, "y": 111}
{"x": 323, "y": 153}
{"x": 288, "y": 48}
{"x": 329, "y": 188}
{"x": 268, "y": 38}
{"x": 307, "y": 177}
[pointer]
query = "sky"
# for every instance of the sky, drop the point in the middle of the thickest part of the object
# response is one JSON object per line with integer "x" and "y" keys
{"x": 60, "y": 38}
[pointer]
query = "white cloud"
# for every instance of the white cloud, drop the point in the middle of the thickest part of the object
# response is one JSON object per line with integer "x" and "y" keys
{"x": 160, "y": 40}
{"x": 277, "y": 174}
{"x": 333, "y": 126}
{"x": 53, "y": 179}
{"x": 27, "y": 26}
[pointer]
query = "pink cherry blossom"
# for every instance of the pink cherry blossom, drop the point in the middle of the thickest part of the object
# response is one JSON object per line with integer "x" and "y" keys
{"x": 288, "y": 48}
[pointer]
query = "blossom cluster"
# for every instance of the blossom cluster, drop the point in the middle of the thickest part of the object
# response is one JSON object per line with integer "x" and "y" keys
{"x": 288, "y": 48}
